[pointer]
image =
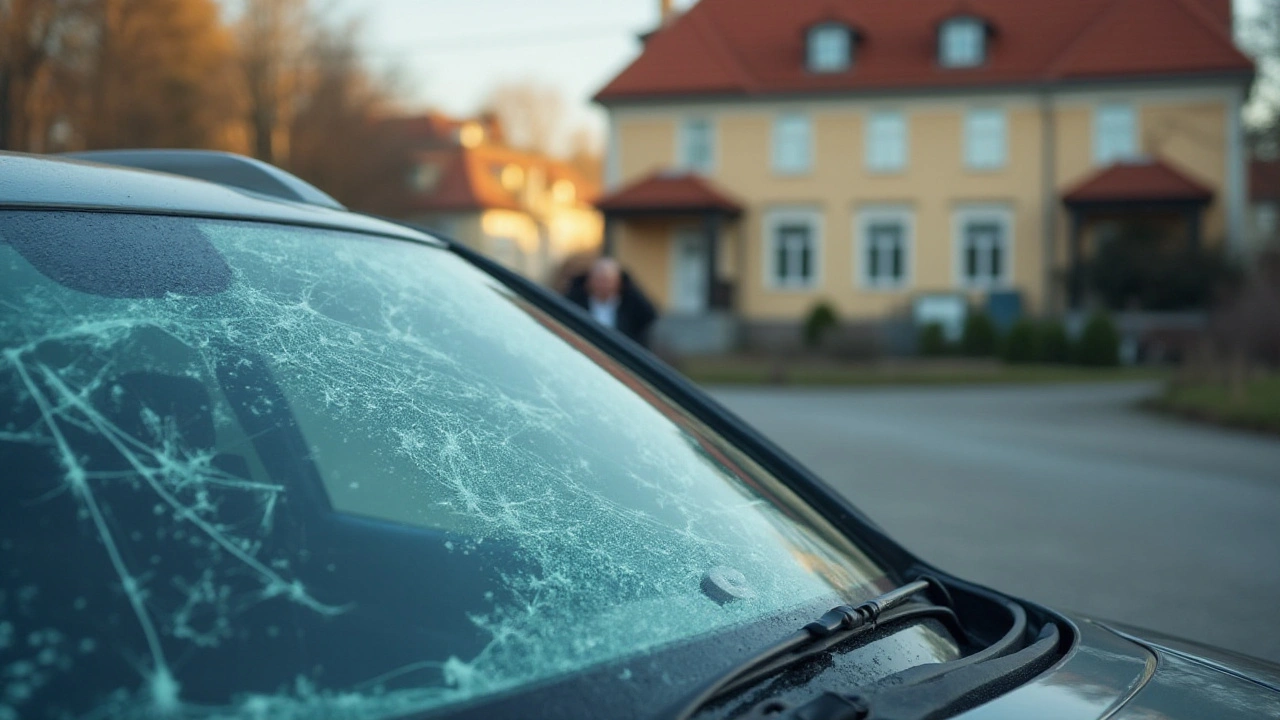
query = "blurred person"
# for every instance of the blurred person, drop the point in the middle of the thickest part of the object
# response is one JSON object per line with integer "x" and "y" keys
{"x": 608, "y": 293}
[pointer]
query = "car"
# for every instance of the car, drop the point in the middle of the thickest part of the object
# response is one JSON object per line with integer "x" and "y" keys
{"x": 267, "y": 458}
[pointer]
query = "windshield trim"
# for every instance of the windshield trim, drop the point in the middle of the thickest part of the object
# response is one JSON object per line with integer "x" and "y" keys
{"x": 384, "y": 228}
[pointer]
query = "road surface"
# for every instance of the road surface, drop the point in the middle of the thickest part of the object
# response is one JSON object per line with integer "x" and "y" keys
{"x": 1063, "y": 494}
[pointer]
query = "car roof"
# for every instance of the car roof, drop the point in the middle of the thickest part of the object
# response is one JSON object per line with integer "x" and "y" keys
{"x": 38, "y": 181}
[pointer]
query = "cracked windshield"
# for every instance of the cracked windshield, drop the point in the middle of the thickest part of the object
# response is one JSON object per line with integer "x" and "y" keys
{"x": 281, "y": 471}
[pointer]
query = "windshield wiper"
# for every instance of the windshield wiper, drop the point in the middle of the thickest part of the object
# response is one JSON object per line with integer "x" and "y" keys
{"x": 947, "y": 690}
{"x": 835, "y": 626}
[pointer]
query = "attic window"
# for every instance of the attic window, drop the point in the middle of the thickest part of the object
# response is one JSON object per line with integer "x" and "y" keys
{"x": 962, "y": 42}
{"x": 829, "y": 48}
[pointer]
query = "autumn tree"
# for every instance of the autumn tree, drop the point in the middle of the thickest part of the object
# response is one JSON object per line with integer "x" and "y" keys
{"x": 532, "y": 114}
{"x": 585, "y": 155}
{"x": 335, "y": 141}
{"x": 161, "y": 77}
{"x": 33, "y": 33}
{"x": 273, "y": 39}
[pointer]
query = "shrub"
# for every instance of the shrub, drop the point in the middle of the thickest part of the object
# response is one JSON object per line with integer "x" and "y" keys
{"x": 1052, "y": 345}
{"x": 820, "y": 321}
{"x": 1141, "y": 268}
{"x": 980, "y": 338}
{"x": 933, "y": 340}
{"x": 1020, "y": 346}
{"x": 1099, "y": 344}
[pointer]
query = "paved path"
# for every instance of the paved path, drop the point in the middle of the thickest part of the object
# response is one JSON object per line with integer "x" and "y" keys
{"x": 1062, "y": 494}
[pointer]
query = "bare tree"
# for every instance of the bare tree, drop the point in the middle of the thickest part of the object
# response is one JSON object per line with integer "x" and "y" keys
{"x": 531, "y": 114}
{"x": 1260, "y": 37}
{"x": 161, "y": 76}
{"x": 336, "y": 143}
{"x": 272, "y": 37}
{"x": 586, "y": 156}
{"x": 32, "y": 33}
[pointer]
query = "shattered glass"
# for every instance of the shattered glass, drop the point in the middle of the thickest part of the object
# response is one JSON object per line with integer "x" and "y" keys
{"x": 260, "y": 471}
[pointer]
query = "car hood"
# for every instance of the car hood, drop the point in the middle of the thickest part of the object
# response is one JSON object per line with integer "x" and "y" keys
{"x": 1122, "y": 673}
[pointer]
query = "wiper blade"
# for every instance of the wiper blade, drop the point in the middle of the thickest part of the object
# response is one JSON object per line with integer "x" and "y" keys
{"x": 945, "y": 694}
{"x": 836, "y": 625}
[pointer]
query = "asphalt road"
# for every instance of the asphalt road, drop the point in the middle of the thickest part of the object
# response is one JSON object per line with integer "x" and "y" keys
{"x": 1066, "y": 495}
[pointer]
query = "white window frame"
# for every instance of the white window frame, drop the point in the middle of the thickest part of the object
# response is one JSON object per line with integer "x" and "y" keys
{"x": 961, "y": 218}
{"x": 773, "y": 220}
{"x": 978, "y": 121}
{"x": 780, "y": 136}
{"x": 959, "y": 33}
{"x": 864, "y": 219}
{"x": 1105, "y": 116}
{"x": 684, "y": 160}
{"x": 842, "y": 48}
{"x": 894, "y": 124}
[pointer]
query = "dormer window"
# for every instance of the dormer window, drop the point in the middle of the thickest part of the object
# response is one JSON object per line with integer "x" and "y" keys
{"x": 830, "y": 48}
{"x": 962, "y": 42}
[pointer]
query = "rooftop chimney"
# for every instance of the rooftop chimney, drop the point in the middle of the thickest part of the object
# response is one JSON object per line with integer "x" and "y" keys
{"x": 667, "y": 11}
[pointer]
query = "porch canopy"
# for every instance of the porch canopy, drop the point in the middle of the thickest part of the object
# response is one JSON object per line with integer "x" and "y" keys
{"x": 678, "y": 195}
{"x": 1146, "y": 187}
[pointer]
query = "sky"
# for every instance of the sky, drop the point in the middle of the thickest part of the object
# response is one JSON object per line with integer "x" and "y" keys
{"x": 450, "y": 53}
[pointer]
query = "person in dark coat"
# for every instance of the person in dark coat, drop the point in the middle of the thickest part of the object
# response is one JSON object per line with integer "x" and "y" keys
{"x": 607, "y": 292}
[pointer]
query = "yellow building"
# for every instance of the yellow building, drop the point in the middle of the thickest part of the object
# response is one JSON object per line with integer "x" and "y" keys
{"x": 767, "y": 156}
{"x": 526, "y": 210}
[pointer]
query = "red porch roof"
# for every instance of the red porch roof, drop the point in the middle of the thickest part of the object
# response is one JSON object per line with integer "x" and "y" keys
{"x": 1149, "y": 181}
{"x": 668, "y": 191}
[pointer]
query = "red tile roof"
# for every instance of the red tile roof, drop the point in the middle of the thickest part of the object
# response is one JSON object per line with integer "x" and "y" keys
{"x": 435, "y": 129}
{"x": 462, "y": 184}
{"x": 462, "y": 179}
{"x": 471, "y": 179}
{"x": 1264, "y": 179}
{"x": 668, "y": 191}
{"x": 756, "y": 47}
{"x": 1152, "y": 180}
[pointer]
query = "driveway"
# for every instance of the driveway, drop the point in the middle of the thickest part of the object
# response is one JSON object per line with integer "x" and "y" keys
{"x": 1065, "y": 495}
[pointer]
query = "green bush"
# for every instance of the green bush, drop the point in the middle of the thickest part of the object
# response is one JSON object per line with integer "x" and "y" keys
{"x": 1099, "y": 344}
{"x": 820, "y": 321}
{"x": 1052, "y": 345}
{"x": 980, "y": 338}
{"x": 933, "y": 340}
{"x": 1021, "y": 345}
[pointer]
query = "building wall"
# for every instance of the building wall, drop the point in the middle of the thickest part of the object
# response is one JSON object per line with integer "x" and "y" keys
{"x": 517, "y": 240}
{"x": 1192, "y": 135}
{"x": 463, "y": 227}
{"x": 644, "y": 249}
{"x": 512, "y": 238}
{"x": 573, "y": 230}
{"x": 1188, "y": 127}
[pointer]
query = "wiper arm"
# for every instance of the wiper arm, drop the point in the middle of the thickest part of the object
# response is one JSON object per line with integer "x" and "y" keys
{"x": 944, "y": 694}
{"x": 836, "y": 625}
